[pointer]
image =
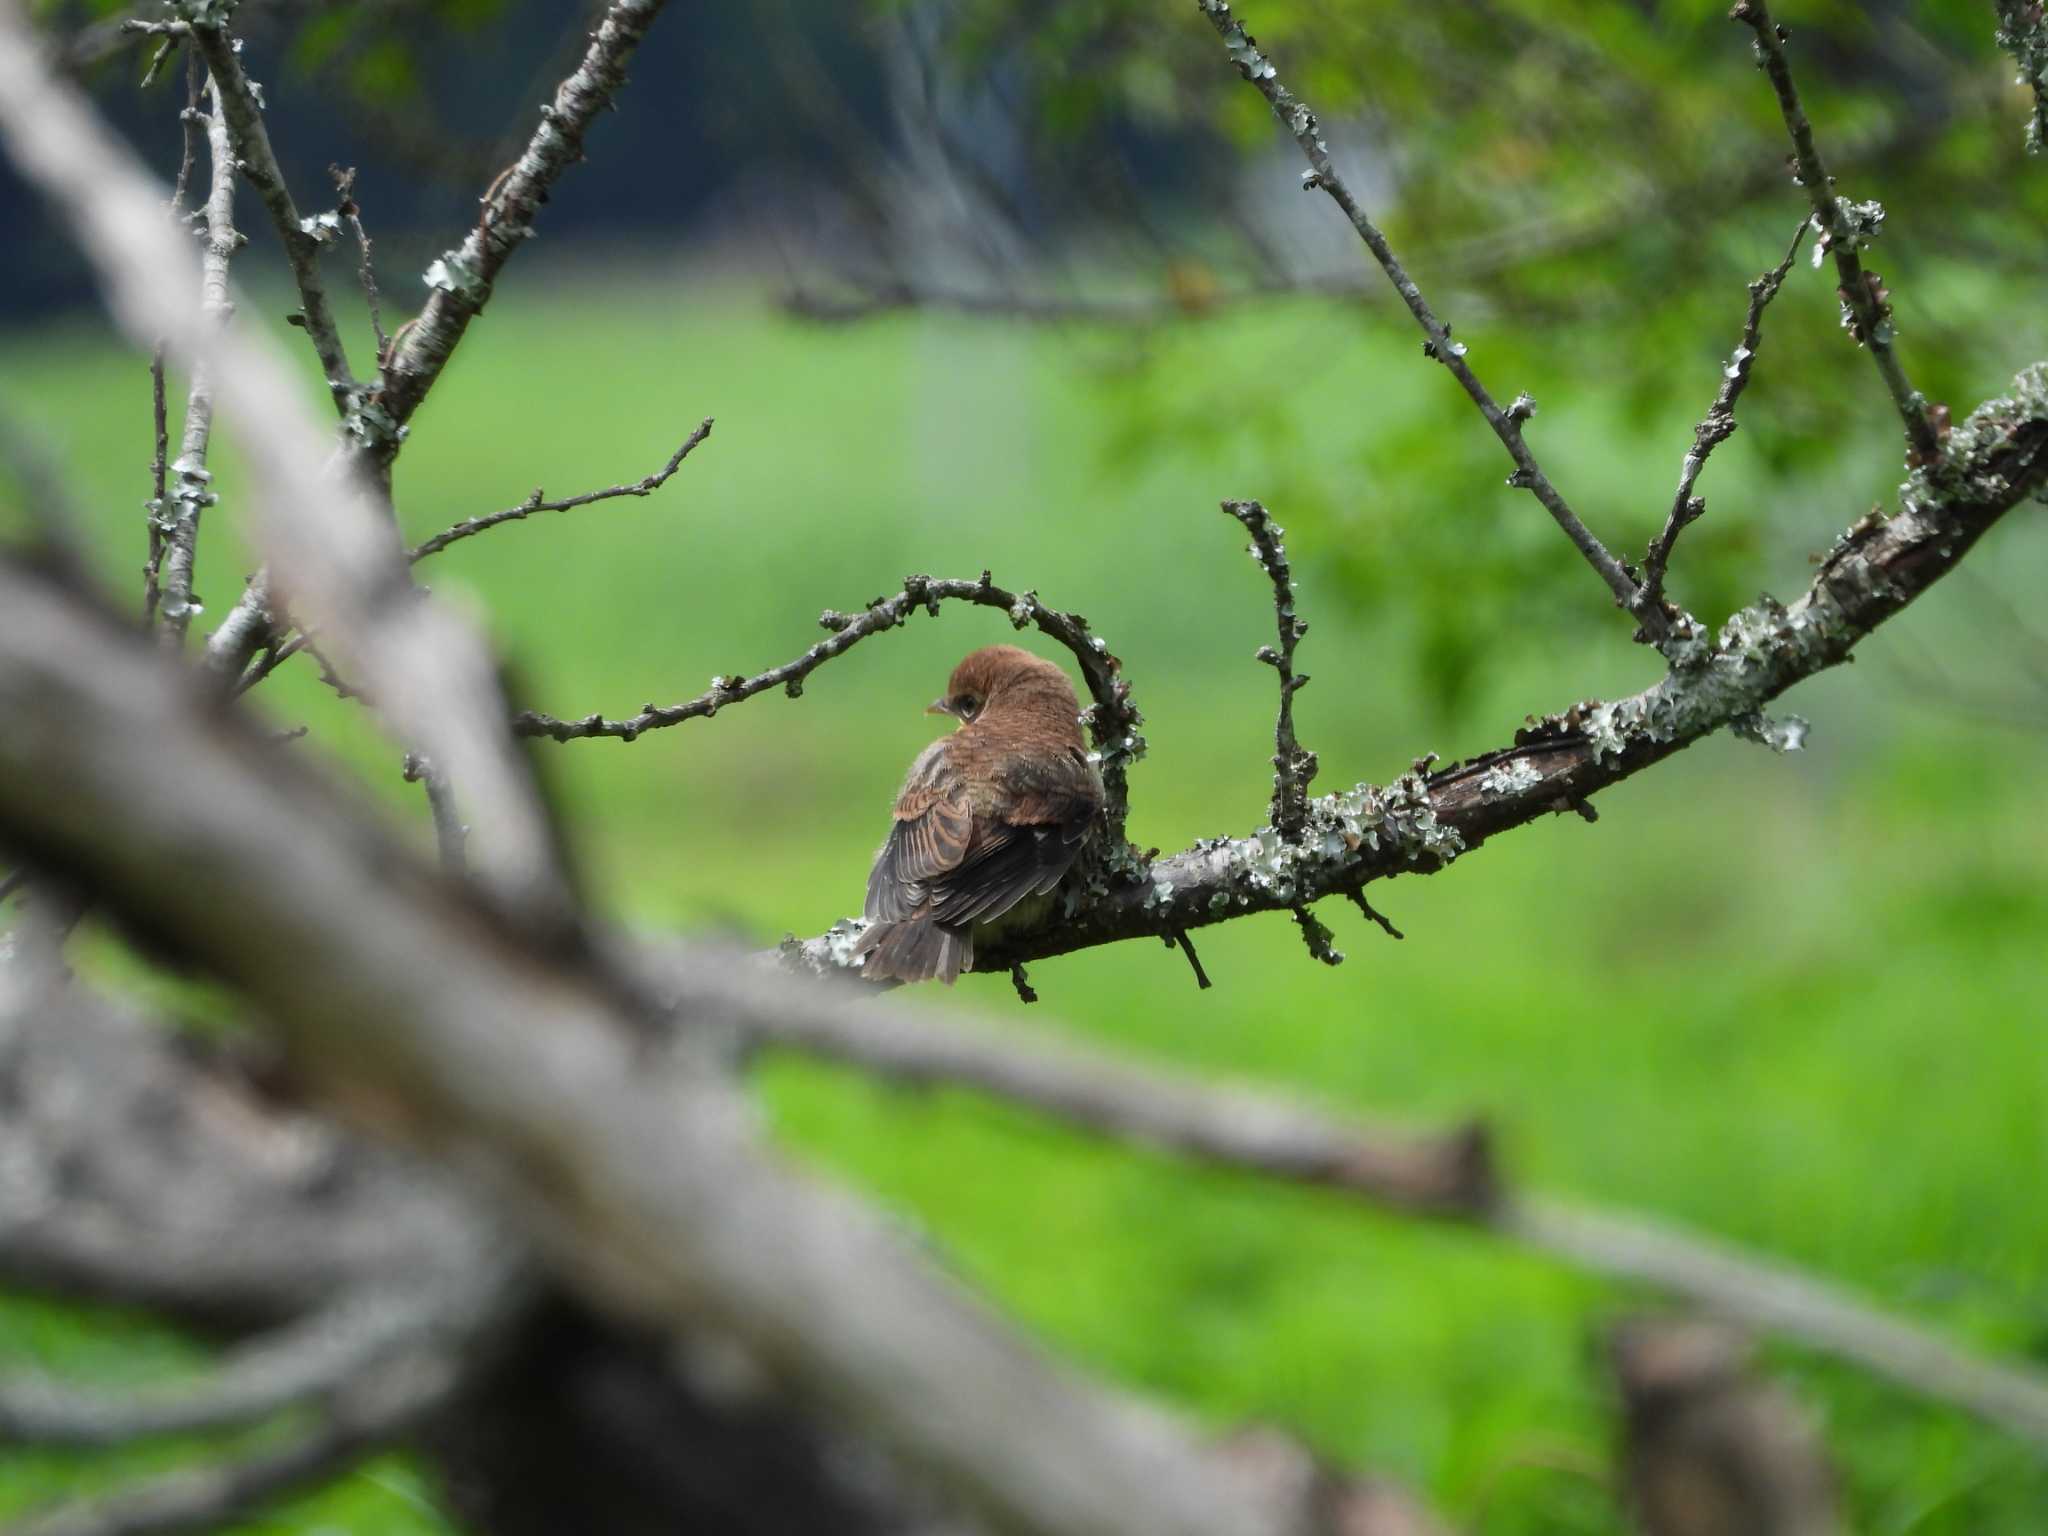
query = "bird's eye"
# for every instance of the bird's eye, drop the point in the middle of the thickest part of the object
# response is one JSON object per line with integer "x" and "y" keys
{"x": 966, "y": 704}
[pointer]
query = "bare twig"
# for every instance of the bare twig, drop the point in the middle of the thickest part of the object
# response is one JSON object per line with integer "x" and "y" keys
{"x": 349, "y": 209}
{"x": 1866, "y": 308}
{"x": 1719, "y": 422}
{"x": 449, "y": 832}
{"x": 193, "y": 493}
{"x": 1113, "y": 719}
{"x": 1301, "y": 123}
{"x": 645, "y": 486}
{"x": 1294, "y": 766}
{"x": 2023, "y": 32}
{"x": 371, "y": 1414}
{"x": 251, "y": 140}
{"x": 1374, "y": 915}
{"x": 1179, "y": 938}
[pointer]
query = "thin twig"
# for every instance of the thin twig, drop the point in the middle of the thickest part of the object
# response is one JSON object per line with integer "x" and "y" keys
{"x": 1113, "y": 719}
{"x": 1719, "y": 422}
{"x": 1301, "y": 123}
{"x": 645, "y": 486}
{"x": 193, "y": 492}
{"x": 449, "y": 832}
{"x": 251, "y": 140}
{"x": 1180, "y": 937}
{"x": 1294, "y": 766}
{"x": 1867, "y": 310}
{"x": 1373, "y": 914}
{"x": 273, "y": 657}
{"x": 349, "y": 209}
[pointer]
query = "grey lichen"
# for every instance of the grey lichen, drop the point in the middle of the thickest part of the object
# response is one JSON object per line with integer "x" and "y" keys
{"x": 1510, "y": 777}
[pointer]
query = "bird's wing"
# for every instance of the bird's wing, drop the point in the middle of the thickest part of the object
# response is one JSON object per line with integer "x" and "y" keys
{"x": 1024, "y": 849}
{"x": 933, "y": 835}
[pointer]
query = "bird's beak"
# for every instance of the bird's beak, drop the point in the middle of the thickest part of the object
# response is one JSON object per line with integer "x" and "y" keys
{"x": 938, "y": 707}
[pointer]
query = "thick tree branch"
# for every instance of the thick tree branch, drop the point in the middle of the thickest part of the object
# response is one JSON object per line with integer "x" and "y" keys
{"x": 1301, "y": 124}
{"x": 1113, "y": 720}
{"x": 646, "y": 486}
{"x": 1845, "y": 230}
{"x": 1419, "y": 824}
{"x": 1450, "y": 1174}
{"x": 237, "y": 98}
{"x": 1294, "y": 766}
{"x": 1719, "y": 422}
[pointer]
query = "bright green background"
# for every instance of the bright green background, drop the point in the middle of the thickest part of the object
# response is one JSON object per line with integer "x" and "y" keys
{"x": 1795, "y": 1001}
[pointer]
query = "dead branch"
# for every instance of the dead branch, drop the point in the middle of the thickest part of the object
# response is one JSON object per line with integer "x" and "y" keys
{"x": 369, "y": 1415}
{"x": 1450, "y": 1174}
{"x": 2023, "y": 32}
{"x": 645, "y": 486}
{"x": 347, "y": 208}
{"x": 319, "y": 1358}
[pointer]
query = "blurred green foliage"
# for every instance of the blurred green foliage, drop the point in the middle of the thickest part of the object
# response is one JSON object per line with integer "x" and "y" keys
{"x": 1794, "y": 1001}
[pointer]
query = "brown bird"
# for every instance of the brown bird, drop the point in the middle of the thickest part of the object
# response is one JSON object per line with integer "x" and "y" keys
{"x": 989, "y": 815}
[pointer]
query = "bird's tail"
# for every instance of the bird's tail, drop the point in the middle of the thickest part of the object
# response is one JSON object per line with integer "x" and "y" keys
{"x": 916, "y": 949}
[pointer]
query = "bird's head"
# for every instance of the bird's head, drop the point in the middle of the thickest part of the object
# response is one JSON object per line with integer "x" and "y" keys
{"x": 1004, "y": 677}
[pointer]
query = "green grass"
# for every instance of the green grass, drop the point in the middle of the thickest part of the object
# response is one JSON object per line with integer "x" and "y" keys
{"x": 1794, "y": 1001}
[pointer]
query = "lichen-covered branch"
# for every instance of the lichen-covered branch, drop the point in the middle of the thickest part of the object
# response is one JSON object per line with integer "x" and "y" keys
{"x": 158, "y": 505}
{"x": 251, "y": 139}
{"x": 1450, "y": 1174}
{"x": 1300, "y": 122}
{"x": 2023, "y": 33}
{"x": 1422, "y": 821}
{"x": 1845, "y": 229}
{"x": 1718, "y": 424}
{"x": 1113, "y": 720}
{"x": 645, "y": 486}
{"x": 1294, "y": 766}
{"x": 190, "y": 492}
